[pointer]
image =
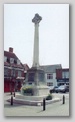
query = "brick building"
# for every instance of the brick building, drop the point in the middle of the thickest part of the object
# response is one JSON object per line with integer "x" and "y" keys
{"x": 13, "y": 71}
{"x": 62, "y": 76}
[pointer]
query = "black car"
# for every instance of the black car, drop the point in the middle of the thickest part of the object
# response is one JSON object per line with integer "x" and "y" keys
{"x": 67, "y": 88}
{"x": 53, "y": 89}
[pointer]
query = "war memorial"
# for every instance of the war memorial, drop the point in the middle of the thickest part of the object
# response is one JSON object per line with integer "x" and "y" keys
{"x": 35, "y": 88}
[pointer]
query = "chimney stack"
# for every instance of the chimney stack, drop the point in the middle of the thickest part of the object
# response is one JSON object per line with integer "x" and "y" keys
{"x": 10, "y": 49}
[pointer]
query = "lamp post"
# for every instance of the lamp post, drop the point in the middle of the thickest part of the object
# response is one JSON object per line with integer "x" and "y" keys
{"x": 11, "y": 85}
{"x": 12, "y": 79}
{"x": 14, "y": 86}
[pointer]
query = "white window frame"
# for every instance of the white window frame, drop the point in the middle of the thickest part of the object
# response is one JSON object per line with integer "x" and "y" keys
{"x": 49, "y": 76}
{"x": 49, "y": 83}
{"x": 5, "y": 59}
{"x": 19, "y": 73}
{"x": 11, "y": 60}
{"x": 65, "y": 74}
{"x": 18, "y": 61}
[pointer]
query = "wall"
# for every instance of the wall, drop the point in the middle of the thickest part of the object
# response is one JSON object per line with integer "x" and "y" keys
{"x": 54, "y": 81}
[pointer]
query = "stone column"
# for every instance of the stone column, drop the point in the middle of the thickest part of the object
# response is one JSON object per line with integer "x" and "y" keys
{"x": 36, "y": 21}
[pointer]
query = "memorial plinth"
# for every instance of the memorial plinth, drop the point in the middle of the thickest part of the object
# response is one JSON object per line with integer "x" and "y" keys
{"x": 35, "y": 87}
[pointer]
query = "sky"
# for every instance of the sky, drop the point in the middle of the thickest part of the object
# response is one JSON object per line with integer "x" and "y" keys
{"x": 53, "y": 32}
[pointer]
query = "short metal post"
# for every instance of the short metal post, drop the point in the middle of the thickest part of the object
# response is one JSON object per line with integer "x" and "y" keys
{"x": 14, "y": 94}
{"x": 63, "y": 99}
{"x": 11, "y": 100}
{"x": 11, "y": 92}
{"x": 44, "y": 103}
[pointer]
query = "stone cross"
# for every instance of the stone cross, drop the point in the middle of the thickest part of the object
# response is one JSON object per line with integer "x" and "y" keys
{"x": 36, "y": 20}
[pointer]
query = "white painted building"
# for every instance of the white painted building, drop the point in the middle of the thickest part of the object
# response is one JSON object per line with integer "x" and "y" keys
{"x": 50, "y": 74}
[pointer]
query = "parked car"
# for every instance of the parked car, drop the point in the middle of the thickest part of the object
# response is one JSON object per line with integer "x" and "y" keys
{"x": 53, "y": 89}
{"x": 67, "y": 88}
{"x": 62, "y": 88}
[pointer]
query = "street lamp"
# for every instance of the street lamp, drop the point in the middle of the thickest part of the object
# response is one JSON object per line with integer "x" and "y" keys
{"x": 11, "y": 85}
{"x": 12, "y": 79}
{"x": 14, "y": 86}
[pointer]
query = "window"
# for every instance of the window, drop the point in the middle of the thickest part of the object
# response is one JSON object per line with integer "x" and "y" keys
{"x": 8, "y": 60}
{"x": 5, "y": 59}
{"x": 19, "y": 73}
{"x": 5, "y": 72}
{"x": 18, "y": 61}
{"x": 50, "y": 84}
{"x": 49, "y": 76}
{"x": 13, "y": 73}
{"x": 11, "y": 60}
{"x": 65, "y": 74}
{"x": 15, "y": 61}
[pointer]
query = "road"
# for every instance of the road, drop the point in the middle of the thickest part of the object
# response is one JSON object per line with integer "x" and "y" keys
{"x": 54, "y": 109}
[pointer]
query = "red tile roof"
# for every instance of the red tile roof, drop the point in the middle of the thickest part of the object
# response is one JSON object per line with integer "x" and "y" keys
{"x": 10, "y": 55}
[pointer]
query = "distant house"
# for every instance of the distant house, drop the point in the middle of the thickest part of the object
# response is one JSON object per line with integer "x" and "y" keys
{"x": 26, "y": 67}
{"x": 62, "y": 76}
{"x": 50, "y": 74}
{"x": 13, "y": 71}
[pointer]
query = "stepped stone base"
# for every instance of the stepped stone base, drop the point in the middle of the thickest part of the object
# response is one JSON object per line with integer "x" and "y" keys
{"x": 33, "y": 103}
{"x": 30, "y": 98}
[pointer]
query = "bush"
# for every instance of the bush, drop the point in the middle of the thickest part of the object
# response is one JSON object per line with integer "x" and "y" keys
{"x": 28, "y": 91}
{"x": 49, "y": 97}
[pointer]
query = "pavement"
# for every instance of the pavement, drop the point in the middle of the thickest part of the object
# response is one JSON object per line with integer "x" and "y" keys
{"x": 53, "y": 109}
